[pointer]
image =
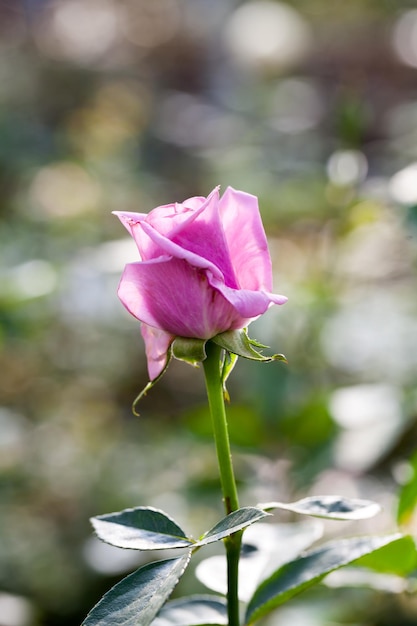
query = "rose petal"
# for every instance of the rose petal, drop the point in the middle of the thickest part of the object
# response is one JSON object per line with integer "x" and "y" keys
{"x": 246, "y": 240}
{"x": 166, "y": 220}
{"x": 205, "y": 269}
{"x": 157, "y": 344}
{"x": 168, "y": 247}
{"x": 205, "y": 237}
{"x": 171, "y": 295}
{"x": 277, "y": 298}
{"x": 193, "y": 225}
{"x": 129, "y": 220}
{"x": 248, "y": 304}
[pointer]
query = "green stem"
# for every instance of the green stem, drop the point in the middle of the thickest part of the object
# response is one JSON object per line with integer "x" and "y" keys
{"x": 214, "y": 386}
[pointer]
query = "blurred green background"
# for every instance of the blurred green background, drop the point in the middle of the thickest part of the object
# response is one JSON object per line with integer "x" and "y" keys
{"x": 124, "y": 105}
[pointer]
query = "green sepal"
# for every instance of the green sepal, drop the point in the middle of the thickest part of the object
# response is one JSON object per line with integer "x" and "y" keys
{"x": 151, "y": 383}
{"x": 186, "y": 349}
{"x": 229, "y": 362}
{"x": 238, "y": 342}
{"x": 189, "y": 349}
{"x": 193, "y": 351}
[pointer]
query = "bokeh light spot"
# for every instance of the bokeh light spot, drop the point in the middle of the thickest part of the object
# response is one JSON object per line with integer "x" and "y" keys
{"x": 403, "y": 185}
{"x": 404, "y": 37}
{"x": 347, "y": 167}
{"x": 15, "y": 610}
{"x": 266, "y": 33}
{"x": 33, "y": 279}
{"x": 78, "y": 31}
{"x": 64, "y": 190}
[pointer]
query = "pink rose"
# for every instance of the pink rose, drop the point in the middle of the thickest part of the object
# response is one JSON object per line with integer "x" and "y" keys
{"x": 204, "y": 269}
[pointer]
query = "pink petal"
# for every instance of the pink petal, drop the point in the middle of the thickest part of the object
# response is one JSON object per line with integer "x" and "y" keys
{"x": 171, "y": 218}
{"x": 248, "y": 304}
{"x": 129, "y": 220}
{"x": 276, "y": 298}
{"x": 171, "y": 295}
{"x": 169, "y": 229}
{"x": 168, "y": 247}
{"x": 246, "y": 240}
{"x": 165, "y": 219}
{"x": 157, "y": 344}
{"x": 205, "y": 269}
{"x": 205, "y": 237}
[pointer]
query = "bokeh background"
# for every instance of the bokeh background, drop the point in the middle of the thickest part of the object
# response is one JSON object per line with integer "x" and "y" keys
{"x": 124, "y": 105}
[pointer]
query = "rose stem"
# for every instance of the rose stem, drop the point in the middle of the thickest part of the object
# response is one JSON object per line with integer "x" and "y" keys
{"x": 212, "y": 371}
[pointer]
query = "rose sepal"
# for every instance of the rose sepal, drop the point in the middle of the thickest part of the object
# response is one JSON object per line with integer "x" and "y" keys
{"x": 193, "y": 351}
{"x": 229, "y": 361}
{"x": 238, "y": 342}
{"x": 151, "y": 383}
{"x": 189, "y": 349}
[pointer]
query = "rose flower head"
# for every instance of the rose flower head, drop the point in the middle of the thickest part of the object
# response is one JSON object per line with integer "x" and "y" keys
{"x": 204, "y": 270}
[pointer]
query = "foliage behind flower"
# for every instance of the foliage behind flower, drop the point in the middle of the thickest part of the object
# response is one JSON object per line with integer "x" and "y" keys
{"x": 205, "y": 269}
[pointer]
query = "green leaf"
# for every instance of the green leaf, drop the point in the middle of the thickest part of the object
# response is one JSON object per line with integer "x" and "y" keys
{"x": 141, "y": 528}
{"x": 238, "y": 342}
{"x": 330, "y": 507}
{"x": 190, "y": 350}
{"x": 398, "y": 557}
{"x": 136, "y": 599}
{"x": 408, "y": 494}
{"x": 265, "y": 548}
{"x": 232, "y": 523}
{"x": 308, "y": 570}
{"x": 199, "y": 610}
{"x": 390, "y": 565}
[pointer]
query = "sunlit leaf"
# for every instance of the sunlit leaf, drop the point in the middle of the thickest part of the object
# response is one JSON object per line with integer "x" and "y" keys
{"x": 141, "y": 528}
{"x": 193, "y": 611}
{"x": 308, "y": 570}
{"x": 408, "y": 494}
{"x": 136, "y": 599}
{"x": 331, "y": 507}
{"x": 265, "y": 548}
{"x": 232, "y": 523}
{"x": 390, "y": 565}
{"x": 399, "y": 557}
